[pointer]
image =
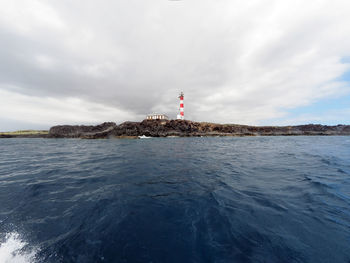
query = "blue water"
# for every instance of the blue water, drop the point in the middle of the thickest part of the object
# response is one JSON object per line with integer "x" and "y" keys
{"x": 250, "y": 199}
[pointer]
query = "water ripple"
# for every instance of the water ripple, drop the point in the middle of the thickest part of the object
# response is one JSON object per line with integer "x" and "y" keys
{"x": 250, "y": 199}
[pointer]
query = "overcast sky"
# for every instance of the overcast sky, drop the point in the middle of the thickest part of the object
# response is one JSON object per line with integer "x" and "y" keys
{"x": 250, "y": 62}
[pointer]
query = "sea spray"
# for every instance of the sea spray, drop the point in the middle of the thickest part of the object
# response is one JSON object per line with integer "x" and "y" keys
{"x": 14, "y": 250}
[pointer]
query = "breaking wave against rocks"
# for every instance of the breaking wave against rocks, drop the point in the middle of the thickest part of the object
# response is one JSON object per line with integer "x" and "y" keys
{"x": 249, "y": 199}
{"x": 14, "y": 250}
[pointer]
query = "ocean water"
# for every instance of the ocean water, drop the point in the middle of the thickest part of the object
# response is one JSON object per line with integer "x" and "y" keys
{"x": 249, "y": 199}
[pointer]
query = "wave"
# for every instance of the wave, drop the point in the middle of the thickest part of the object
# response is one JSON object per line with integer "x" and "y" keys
{"x": 15, "y": 250}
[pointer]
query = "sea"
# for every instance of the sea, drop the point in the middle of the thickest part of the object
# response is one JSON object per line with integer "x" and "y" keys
{"x": 210, "y": 199}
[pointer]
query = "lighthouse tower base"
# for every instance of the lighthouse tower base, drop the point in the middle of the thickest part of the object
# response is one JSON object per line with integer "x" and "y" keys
{"x": 179, "y": 117}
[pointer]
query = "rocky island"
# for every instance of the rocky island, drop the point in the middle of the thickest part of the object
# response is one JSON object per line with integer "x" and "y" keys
{"x": 186, "y": 128}
{"x": 181, "y": 128}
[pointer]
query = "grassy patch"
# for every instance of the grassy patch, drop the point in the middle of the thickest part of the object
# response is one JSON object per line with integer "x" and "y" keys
{"x": 25, "y": 132}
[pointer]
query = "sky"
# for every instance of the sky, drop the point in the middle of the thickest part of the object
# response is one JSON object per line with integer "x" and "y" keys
{"x": 256, "y": 62}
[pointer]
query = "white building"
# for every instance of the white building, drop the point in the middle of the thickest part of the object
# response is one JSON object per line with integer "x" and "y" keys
{"x": 157, "y": 117}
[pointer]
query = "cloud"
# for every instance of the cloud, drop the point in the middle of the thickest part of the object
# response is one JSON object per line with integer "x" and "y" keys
{"x": 237, "y": 62}
{"x": 49, "y": 111}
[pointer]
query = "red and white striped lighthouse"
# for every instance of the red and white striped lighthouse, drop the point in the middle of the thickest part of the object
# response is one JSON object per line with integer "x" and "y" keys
{"x": 181, "y": 115}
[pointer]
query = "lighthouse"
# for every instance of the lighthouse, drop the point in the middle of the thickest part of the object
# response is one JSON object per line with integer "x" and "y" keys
{"x": 181, "y": 116}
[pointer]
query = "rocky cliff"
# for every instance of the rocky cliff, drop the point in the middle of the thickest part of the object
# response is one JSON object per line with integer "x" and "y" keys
{"x": 164, "y": 128}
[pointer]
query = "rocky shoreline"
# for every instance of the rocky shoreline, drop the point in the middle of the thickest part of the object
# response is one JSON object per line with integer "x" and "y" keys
{"x": 24, "y": 136}
{"x": 185, "y": 128}
{"x": 181, "y": 128}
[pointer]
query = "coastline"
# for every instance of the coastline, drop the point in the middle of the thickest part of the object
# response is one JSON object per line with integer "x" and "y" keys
{"x": 178, "y": 128}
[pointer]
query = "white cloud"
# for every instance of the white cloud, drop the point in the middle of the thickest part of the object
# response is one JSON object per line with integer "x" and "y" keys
{"x": 27, "y": 16}
{"x": 48, "y": 111}
{"x": 236, "y": 61}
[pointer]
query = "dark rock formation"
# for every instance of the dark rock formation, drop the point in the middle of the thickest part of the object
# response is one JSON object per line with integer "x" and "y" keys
{"x": 24, "y": 136}
{"x": 6, "y": 136}
{"x": 164, "y": 128}
{"x": 81, "y": 131}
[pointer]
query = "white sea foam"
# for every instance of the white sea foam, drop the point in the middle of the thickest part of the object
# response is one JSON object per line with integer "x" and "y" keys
{"x": 12, "y": 250}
